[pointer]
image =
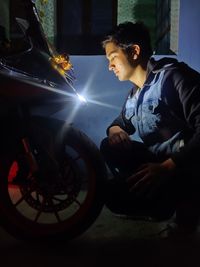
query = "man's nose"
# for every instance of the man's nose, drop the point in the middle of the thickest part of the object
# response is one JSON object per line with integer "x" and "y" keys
{"x": 110, "y": 66}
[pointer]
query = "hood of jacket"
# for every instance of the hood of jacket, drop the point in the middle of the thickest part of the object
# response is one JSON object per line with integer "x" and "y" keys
{"x": 161, "y": 64}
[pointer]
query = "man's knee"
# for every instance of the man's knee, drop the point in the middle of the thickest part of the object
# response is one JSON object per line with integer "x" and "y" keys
{"x": 104, "y": 146}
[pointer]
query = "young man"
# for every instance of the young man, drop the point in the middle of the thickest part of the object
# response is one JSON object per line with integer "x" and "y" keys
{"x": 158, "y": 174}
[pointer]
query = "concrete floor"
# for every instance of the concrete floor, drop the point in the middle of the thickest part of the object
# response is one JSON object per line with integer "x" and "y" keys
{"x": 110, "y": 241}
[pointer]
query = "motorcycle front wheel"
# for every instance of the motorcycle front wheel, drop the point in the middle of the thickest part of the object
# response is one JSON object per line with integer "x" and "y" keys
{"x": 50, "y": 204}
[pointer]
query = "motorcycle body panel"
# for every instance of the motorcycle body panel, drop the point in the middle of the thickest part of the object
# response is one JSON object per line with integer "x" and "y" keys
{"x": 51, "y": 175}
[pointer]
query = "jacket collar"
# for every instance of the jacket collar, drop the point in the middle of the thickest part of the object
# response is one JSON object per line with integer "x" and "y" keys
{"x": 156, "y": 66}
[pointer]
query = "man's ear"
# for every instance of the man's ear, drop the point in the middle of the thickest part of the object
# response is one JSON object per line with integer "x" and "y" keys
{"x": 136, "y": 51}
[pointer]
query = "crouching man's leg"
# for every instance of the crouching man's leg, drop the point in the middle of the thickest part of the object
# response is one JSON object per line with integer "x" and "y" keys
{"x": 123, "y": 163}
{"x": 188, "y": 200}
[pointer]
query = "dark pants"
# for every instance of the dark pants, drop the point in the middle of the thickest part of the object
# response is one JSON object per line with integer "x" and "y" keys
{"x": 180, "y": 193}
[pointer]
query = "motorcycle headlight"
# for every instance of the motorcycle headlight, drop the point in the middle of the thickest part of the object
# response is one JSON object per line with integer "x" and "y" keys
{"x": 81, "y": 98}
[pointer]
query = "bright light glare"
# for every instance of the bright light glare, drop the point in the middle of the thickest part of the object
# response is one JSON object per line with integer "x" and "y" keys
{"x": 82, "y": 98}
{"x": 99, "y": 103}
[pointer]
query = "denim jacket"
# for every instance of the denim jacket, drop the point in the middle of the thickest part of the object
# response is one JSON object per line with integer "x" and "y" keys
{"x": 165, "y": 112}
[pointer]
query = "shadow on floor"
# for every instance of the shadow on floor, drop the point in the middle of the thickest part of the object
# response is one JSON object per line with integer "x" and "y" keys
{"x": 110, "y": 241}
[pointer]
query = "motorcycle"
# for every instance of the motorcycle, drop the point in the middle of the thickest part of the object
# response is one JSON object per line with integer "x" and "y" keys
{"x": 51, "y": 174}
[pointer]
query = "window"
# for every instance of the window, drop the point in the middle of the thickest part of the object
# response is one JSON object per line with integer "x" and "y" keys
{"x": 167, "y": 26}
{"x": 81, "y": 24}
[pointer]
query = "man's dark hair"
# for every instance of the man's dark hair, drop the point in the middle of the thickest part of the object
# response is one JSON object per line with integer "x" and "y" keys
{"x": 126, "y": 34}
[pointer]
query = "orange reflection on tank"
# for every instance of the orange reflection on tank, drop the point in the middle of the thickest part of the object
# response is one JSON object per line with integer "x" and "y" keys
{"x": 62, "y": 61}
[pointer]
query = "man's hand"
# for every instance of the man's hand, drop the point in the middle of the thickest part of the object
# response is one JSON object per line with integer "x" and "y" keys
{"x": 150, "y": 176}
{"x": 118, "y": 137}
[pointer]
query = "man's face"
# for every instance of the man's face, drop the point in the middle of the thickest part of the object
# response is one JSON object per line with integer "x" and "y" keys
{"x": 118, "y": 62}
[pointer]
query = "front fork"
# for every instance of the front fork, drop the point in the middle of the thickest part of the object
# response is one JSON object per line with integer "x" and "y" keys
{"x": 29, "y": 155}
{"x": 44, "y": 162}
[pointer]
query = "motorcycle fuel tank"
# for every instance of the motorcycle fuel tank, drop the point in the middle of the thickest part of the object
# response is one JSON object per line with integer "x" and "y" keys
{"x": 35, "y": 71}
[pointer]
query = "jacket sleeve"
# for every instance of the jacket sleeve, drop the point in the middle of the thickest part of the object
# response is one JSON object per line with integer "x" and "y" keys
{"x": 122, "y": 122}
{"x": 187, "y": 84}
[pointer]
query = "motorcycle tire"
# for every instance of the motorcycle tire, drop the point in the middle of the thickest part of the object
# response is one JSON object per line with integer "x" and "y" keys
{"x": 60, "y": 207}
